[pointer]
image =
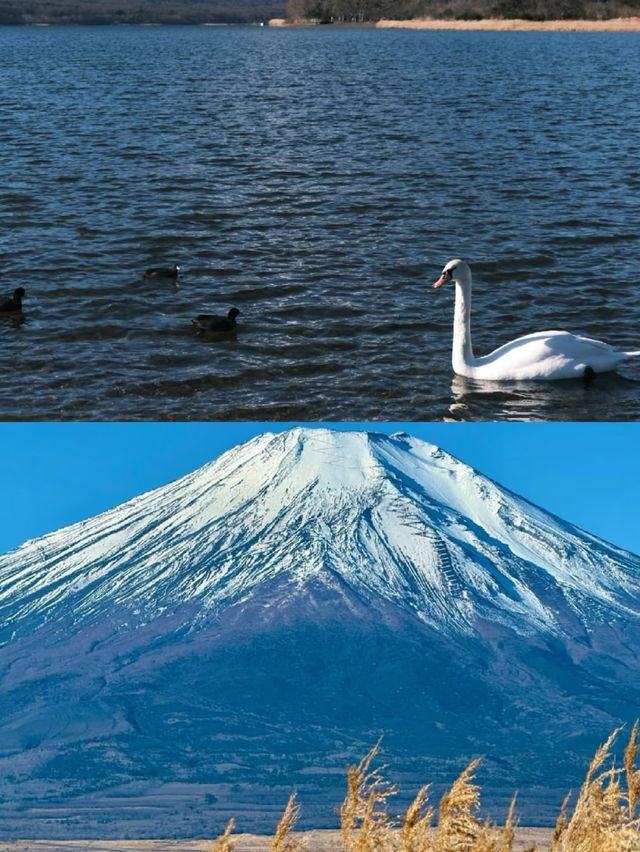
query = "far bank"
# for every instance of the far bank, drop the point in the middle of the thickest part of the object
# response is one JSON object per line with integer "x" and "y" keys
{"x": 610, "y": 25}
{"x": 512, "y": 24}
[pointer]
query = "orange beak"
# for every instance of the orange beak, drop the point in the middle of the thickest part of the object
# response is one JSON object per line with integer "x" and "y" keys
{"x": 442, "y": 280}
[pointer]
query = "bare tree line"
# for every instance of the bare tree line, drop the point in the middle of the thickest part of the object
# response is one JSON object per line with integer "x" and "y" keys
{"x": 327, "y": 11}
{"x": 137, "y": 11}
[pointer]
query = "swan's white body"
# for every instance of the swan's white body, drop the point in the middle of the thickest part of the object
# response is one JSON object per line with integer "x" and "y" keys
{"x": 540, "y": 356}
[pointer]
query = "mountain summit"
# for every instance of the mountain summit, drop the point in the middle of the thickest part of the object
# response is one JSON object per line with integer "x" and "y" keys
{"x": 388, "y": 516}
{"x": 256, "y": 624}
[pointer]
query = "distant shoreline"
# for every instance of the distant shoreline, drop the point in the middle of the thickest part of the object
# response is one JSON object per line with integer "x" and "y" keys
{"x": 318, "y": 840}
{"x": 508, "y": 24}
{"x": 610, "y": 25}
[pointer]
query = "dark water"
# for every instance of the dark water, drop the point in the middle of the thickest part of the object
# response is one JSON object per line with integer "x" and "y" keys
{"x": 317, "y": 179}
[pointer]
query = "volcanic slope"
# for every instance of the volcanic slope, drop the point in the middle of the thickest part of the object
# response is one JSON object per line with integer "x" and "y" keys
{"x": 200, "y": 650}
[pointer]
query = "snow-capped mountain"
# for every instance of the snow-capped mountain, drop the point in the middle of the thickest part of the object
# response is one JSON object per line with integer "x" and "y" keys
{"x": 258, "y": 623}
{"x": 395, "y": 517}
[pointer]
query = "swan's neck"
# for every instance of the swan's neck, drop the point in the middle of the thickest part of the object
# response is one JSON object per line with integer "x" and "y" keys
{"x": 462, "y": 354}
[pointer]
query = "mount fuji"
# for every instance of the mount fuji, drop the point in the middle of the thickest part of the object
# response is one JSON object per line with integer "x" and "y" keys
{"x": 201, "y": 650}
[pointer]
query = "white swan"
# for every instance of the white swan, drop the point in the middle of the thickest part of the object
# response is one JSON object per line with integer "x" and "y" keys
{"x": 543, "y": 355}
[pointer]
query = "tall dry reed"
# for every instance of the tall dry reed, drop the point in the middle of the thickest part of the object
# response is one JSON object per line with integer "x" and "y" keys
{"x": 605, "y": 815}
{"x": 284, "y": 840}
{"x": 223, "y": 843}
{"x": 364, "y": 823}
{"x": 416, "y": 827}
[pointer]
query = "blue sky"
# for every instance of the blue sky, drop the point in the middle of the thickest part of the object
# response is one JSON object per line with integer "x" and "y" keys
{"x": 53, "y": 474}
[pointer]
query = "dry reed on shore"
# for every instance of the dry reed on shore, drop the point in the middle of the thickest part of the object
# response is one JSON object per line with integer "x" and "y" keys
{"x": 284, "y": 839}
{"x": 223, "y": 843}
{"x": 364, "y": 823}
{"x": 605, "y": 817}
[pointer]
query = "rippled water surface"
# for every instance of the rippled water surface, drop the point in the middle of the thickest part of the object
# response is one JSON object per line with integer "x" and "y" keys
{"x": 317, "y": 179}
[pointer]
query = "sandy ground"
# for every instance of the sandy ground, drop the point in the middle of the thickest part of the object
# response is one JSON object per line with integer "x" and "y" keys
{"x": 317, "y": 841}
{"x": 612, "y": 25}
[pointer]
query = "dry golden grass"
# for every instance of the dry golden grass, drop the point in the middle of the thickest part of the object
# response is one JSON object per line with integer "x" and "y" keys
{"x": 364, "y": 824}
{"x": 605, "y": 815}
{"x": 415, "y": 836}
{"x": 632, "y": 774}
{"x": 223, "y": 843}
{"x": 284, "y": 839}
{"x": 604, "y": 818}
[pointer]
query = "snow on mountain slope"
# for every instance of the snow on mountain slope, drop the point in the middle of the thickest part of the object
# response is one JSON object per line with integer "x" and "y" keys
{"x": 393, "y": 516}
{"x": 256, "y": 625}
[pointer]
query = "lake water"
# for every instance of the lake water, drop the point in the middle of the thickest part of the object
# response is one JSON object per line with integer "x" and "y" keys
{"x": 318, "y": 180}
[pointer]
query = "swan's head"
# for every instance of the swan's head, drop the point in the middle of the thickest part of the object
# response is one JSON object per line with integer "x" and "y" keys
{"x": 455, "y": 270}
